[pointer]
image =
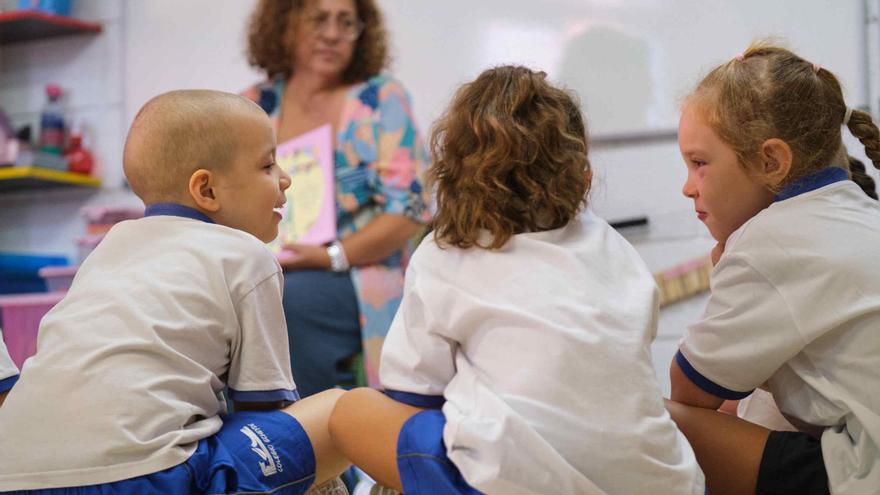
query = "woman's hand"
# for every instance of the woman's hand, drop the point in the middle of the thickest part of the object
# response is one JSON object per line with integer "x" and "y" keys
{"x": 377, "y": 240}
{"x": 302, "y": 256}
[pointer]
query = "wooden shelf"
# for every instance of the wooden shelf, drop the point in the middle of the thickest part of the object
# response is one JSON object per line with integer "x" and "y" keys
{"x": 30, "y": 178}
{"x": 27, "y": 25}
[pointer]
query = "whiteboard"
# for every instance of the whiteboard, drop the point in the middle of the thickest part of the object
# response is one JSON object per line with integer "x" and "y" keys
{"x": 630, "y": 61}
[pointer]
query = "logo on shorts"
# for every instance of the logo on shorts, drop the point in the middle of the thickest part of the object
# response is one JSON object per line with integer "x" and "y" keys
{"x": 269, "y": 462}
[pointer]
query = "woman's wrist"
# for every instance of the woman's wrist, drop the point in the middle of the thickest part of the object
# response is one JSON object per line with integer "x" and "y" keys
{"x": 338, "y": 259}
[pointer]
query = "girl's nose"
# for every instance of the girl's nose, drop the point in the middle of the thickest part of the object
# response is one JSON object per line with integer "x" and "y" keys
{"x": 689, "y": 189}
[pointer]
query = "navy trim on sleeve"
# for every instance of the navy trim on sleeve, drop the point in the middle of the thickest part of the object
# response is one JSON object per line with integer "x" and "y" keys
{"x": 176, "y": 210}
{"x": 264, "y": 395}
{"x": 7, "y": 383}
{"x": 706, "y": 384}
{"x": 417, "y": 400}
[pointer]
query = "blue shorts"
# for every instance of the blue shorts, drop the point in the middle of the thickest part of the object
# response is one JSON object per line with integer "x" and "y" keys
{"x": 253, "y": 453}
{"x": 421, "y": 458}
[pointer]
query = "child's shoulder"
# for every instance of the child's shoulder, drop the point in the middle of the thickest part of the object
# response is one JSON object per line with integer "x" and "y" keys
{"x": 427, "y": 250}
{"x": 206, "y": 241}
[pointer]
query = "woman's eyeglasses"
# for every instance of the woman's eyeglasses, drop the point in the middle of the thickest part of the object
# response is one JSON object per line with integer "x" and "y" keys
{"x": 349, "y": 28}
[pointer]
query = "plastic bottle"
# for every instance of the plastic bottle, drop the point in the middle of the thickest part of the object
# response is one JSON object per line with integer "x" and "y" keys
{"x": 78, "y": 158}
{"x": 52, "y": 122}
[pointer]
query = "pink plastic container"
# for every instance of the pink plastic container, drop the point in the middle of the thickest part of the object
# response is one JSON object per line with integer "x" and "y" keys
{"x": 86, "y": 244}
{"x": 58, "y": 278}
{"x": 21, "y": 319}
{"x": 110, "y": 214}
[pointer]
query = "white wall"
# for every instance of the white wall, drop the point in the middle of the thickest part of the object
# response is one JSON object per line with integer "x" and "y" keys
{"x": 90, "y": 68}
{"x": 192, "y": 44}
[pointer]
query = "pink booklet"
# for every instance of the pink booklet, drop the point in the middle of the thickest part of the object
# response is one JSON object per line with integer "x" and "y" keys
{"x": 309, "y": 216}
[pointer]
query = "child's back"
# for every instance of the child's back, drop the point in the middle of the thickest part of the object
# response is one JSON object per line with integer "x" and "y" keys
{"x": 125, "y": 392}
{"x": 552, "y": 372}
{"x": 527, "y": 319}
{"x": 125, "y": 379}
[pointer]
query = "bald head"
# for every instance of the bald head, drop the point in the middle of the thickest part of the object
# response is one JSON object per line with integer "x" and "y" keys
{"x": 179, "y": 132}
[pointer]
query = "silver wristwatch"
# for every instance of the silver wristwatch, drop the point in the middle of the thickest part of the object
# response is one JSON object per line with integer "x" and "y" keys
{"x": 338, "y": 260}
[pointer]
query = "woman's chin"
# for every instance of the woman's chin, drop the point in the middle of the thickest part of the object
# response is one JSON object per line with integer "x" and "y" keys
{"x": 327, "y": 69}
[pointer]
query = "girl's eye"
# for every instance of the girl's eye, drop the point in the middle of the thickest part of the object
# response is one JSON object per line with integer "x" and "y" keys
{"x": 698, "y": 163}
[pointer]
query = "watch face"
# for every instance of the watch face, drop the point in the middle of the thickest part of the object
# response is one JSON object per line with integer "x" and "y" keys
{"x": 338, "y": 261}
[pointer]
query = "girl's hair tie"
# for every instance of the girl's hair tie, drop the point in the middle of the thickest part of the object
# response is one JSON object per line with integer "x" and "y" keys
{"x": 740, "y": 57}
{"x": 817, "y": 68}
{"x": 847, "y": 115}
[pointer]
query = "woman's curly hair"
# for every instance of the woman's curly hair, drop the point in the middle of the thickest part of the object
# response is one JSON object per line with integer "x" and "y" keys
{"x": 268, "y": 35}
{"x": 509, "y": 156}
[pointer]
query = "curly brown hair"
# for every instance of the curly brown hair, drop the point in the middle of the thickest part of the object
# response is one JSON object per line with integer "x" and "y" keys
{"x": 509, "y": 156}
{"x": 769, "y": 92}
{"x": 274, "y": 22}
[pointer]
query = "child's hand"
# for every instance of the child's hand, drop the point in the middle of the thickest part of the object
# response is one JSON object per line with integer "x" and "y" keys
{"x": 717, "y": 251}
{"x": 302, "y": 256}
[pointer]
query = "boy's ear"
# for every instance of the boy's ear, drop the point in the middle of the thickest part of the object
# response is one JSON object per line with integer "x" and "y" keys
{"x": 201, "y": 189}
{"x": 777, "y": 158}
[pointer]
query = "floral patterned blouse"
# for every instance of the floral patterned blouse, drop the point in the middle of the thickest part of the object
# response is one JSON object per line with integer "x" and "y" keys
{"x": 380, "y": 163}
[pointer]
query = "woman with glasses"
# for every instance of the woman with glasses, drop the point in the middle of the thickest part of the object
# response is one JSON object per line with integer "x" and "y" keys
{"x": 324, "y": 59}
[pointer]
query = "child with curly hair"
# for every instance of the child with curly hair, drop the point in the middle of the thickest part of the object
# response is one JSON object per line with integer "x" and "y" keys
{"x": 519, "y": 360}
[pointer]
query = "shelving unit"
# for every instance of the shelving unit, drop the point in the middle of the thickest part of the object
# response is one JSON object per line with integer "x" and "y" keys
{"x": 31, "y": 25}
{"x": 28, "y": 178}
{"x": 28, "y": 25}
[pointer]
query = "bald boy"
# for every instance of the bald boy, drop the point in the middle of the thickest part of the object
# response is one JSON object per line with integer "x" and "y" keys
{"x": 125, "y": 392}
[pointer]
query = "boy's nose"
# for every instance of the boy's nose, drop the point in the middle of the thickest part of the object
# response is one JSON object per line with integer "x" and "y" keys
{"x": 284, "y": 180}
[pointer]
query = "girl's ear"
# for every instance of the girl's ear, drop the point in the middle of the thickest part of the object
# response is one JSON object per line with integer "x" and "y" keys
{"x": 776, "y": 156}
{"x": 201, "y": 189}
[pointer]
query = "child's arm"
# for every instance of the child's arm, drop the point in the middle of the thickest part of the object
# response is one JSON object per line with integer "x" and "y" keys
{"x": 747, "y": 332}
{"x": 418, "y": 361}
{"x": 418, "y": 356}
{"x": 259, "y": 376}
{"x": 687, "y": 392}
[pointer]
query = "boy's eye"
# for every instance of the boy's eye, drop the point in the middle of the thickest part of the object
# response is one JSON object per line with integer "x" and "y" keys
{"x": 698, "y": 163}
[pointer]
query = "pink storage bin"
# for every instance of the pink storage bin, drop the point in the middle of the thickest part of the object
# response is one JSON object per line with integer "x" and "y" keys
{"x": 86, "y": 244}
{"x": 21, "y": 319}
{"x": 58, "y": 278}
{"x": 110, "y": 214}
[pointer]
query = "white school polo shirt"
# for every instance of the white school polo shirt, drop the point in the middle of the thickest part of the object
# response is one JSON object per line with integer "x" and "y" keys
{"x": 795, "y": 303}
{"x": 539, "y": 354}
{"x": 8, "y": 370}
{"x": 130, "y": 366}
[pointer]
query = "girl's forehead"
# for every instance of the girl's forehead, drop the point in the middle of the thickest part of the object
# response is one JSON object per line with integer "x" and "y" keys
{"x": 696, "y": 135}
